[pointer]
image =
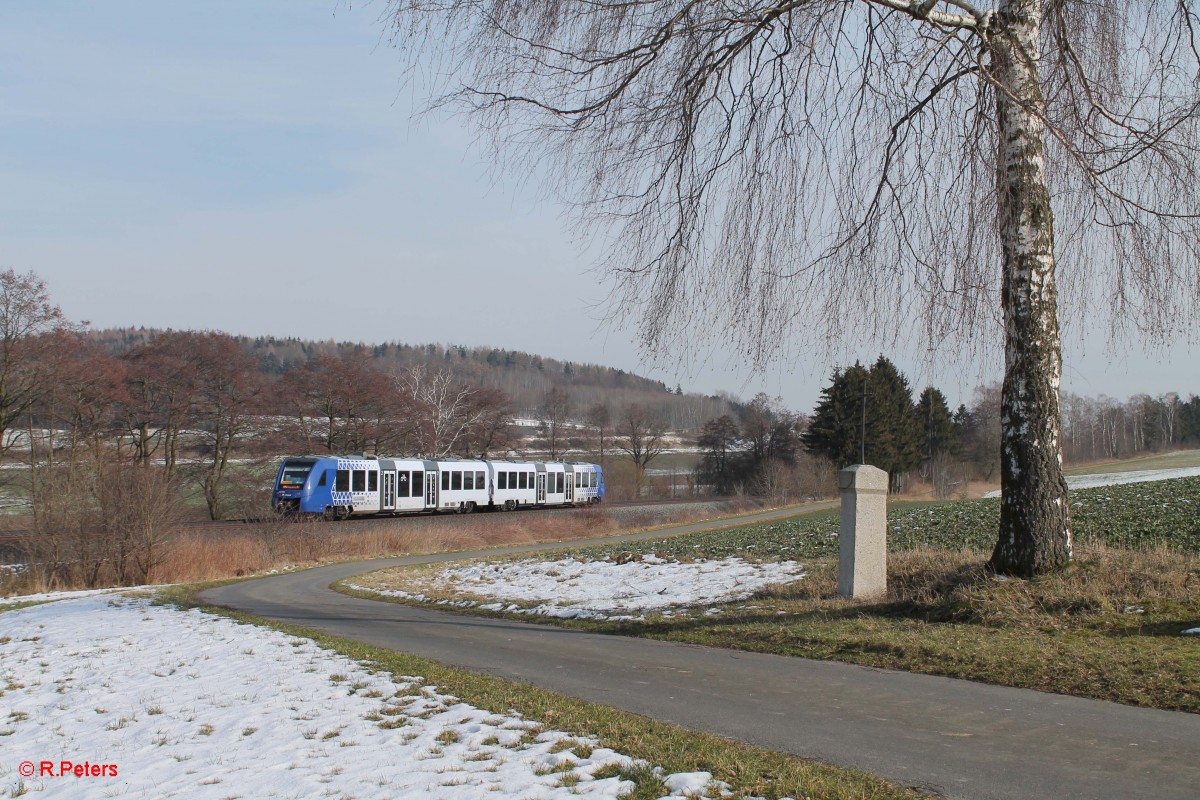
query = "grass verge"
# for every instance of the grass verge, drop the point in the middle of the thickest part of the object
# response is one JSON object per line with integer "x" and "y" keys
{"x": 1176, "y": 459}
{"x": 751, "y": 771}
{"x": 1108, "y": 627}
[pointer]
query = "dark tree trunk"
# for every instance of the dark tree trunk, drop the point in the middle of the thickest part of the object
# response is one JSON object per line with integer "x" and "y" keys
{"x": 1035, "y": 528}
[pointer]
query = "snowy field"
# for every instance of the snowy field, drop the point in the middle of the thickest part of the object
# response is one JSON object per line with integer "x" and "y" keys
{"x": 570, "y": 588}
{"x": 1115, "y": 478}
{"x": 132, "y": 700}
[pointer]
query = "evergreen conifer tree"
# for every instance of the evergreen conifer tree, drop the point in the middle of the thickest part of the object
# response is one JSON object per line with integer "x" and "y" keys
{"x": 893, "y": 435}
{"x": 938, "y": 431}
{"x": 835, "y": 428}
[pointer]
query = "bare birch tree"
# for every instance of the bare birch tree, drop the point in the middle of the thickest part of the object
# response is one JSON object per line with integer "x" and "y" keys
{"x": 440, "y": 410}
{"x": 777, "y": 171}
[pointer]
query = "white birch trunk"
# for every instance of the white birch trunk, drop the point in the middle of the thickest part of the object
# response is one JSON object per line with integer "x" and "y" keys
{"x": 1035, "y": 531}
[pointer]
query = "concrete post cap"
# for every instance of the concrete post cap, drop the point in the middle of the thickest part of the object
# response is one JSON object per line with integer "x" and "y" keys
{"x": 862, "y": 476}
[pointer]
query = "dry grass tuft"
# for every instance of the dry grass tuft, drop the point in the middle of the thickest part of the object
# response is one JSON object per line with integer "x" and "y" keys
{"x": 1102, "y": 583}
{"x": 193, "y": 554}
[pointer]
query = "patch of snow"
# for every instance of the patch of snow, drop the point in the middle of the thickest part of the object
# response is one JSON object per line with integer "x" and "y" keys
{"x": 45, "y": 597}
{"x": 187, "y": 704}
{"x": 694, "y": 784}
{"x": 570, "y": 588}
{"x": 1192, "y": 632}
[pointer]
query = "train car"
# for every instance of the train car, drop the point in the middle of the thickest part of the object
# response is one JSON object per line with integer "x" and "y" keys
{"x": 338, "y": 487}
{"x": 589, "y": 483}
{"x": 514, "y": 484}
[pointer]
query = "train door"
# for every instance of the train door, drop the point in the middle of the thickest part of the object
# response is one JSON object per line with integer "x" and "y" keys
{"x": 431, "y": 483}
{"x": 541, "y": 487}
{"x": 388, "y": 495}
{"x": 570, "y": 486}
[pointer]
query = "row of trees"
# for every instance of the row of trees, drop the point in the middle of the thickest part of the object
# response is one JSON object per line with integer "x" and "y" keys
{"x": 868, "y": 414}
{"x": 524, "y": 377}
{"x": 191, "y": 404}
{"x": 1098, "y": 428}
{"x": 748, "y": 452}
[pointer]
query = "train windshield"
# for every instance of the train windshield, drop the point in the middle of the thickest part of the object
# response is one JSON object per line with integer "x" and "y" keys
{"x": 295, "y": 473}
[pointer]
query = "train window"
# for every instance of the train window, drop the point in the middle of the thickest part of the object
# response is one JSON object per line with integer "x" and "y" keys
{"x": 501, "y": 480}
{"x": 468, "y": 480}
{"x": 402, "y": 484}
{"x": 446, "y": 480}
{"x": 341, "y": 482}
{"x": 372, "y": 481}
{"x": 418, "y": 484}
{"x": 324, "y": 481}
{"x": 295, "y": 474}
{"x": 480, "y": 481}
{"x": 360, "y": 480}
{"x": 561, "y": 482}
{"x": 456, "y": 479}
{"x": 522, "y": 477}
{"x": 512, "y": 480}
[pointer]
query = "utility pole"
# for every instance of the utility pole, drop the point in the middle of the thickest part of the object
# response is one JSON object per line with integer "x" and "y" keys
{"x": 862, "y": 438}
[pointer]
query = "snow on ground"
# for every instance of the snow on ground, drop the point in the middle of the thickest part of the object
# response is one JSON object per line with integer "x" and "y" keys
{"x": 1115, "y": 478}
{"x": 150, "y": 701}
{"x": 570, "y": 588}
{"x": 43, "y": 597}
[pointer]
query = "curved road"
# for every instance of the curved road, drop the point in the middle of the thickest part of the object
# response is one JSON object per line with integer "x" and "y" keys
{"x": 950, "y": 737}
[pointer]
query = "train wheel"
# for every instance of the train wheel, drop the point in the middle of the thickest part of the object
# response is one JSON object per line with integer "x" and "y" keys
{"x": 510, "y": 505}
{"x": 468, "y": 507}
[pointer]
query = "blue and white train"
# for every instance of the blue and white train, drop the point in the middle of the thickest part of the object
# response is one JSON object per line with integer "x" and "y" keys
{"x": 338, "y": 487}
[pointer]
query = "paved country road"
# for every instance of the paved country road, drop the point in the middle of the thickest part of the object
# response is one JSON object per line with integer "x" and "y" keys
{"x": 950, "y": 737}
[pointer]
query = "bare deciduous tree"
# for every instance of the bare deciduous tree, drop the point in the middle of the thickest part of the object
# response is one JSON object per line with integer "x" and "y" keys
{"x": 26, "y": 315}
{"x": 640, "y": 434}
{"x": 228, "y": 392}
{"x": 763, "y": 162}
{"x": 160, "y": 396}
{"x": 599, "y": 418}
{"x": 492, "y": 432}
{"x": 442, "y": 407}
{"x": 556, "y": 406}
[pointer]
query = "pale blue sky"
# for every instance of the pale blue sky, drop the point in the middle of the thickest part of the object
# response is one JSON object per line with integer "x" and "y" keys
{"x": 253, "y": 167}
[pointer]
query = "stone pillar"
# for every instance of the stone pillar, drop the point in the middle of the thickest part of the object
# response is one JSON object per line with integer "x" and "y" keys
{"x": 862, "y": 567}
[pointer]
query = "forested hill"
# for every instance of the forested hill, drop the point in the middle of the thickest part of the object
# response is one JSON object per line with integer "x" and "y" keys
{"x": 524, "y": 377}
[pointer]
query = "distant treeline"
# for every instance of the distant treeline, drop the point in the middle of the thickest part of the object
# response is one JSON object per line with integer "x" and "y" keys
{"x": 868, "y": 414}
{"x": 523, "y": 377}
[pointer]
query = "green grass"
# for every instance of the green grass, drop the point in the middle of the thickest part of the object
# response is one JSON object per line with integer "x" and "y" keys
{"x": 684, "y": 462}
{"x": 1130, "y": 515}
{"x": 751, "y": 771}
{"x": 1108, "y": 627}
{"x": 4, "y": 607}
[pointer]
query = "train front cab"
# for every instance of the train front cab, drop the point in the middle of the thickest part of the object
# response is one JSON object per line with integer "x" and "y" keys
{"x": 291, "y": 485}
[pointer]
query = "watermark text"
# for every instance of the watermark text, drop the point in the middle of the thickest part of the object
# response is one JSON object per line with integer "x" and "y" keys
{"x": 66, "y": 769}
